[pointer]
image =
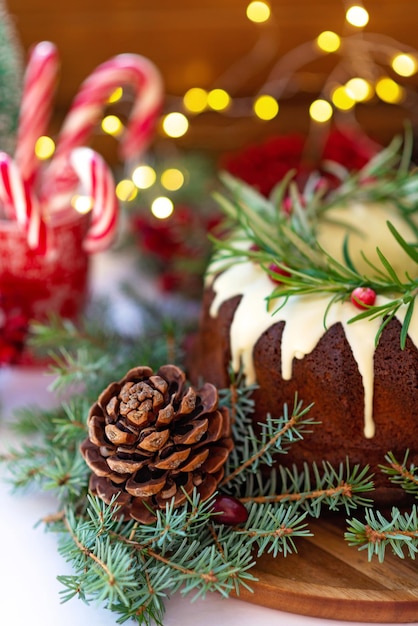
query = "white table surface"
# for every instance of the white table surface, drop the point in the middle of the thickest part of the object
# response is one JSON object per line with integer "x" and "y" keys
{"x": 30, "y": 562}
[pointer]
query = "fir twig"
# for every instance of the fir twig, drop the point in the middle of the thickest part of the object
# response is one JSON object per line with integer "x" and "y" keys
{"x": 377, "y": 533}
{"x": 401, "y": 474}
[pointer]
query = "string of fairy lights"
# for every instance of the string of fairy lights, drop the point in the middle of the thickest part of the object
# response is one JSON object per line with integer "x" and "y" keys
{"x": 360, "y": 74}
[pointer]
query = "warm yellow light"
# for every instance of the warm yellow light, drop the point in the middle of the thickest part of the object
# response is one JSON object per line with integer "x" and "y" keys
{"x": 116, "y": 95}
{"x": 218, "y": 99}
{"x": 172, "y": 179}
{"x": 359, "y": 89}
{"x": 175, "y": 124}
{"x": 44, "y": 147}
{"x": 195, "y": 99}
{"x": 126, "y": 190}
{"x": 82, "y": 204}
{"x": 320, "y": 111}
{"x": 266, "y": 107}
{"x": 404, "y": 64}
{"x": 328, "y": 41}
{"x": 341, "y": 99}
{"x": 258, "y": 11}
{"x": 112, "y": 125}
{"x": 389, "y": 91}
{"x": 162, "y": 207}
{"x": 357, "y": 16}
{"x": 144, "y": 176}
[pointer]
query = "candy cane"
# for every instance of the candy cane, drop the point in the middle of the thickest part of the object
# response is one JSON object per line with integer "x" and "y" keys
{"x": 36, "y": 105}
{"x": 87, "y": 108}
{"x": 21, "y": 204}
{"x": 97, "y": 182}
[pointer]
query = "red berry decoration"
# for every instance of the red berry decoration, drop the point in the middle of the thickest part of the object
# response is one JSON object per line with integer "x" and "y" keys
{"x": 362, "y": 297}
{"x": 278, "y": 271}
{"x": 229, "y": 510}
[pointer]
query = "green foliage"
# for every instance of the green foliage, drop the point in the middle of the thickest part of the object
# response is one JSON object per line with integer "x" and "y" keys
{"x": 131, "y": 568}
{"x": 377, "y": 533}
{"x": 400, "y": 474}
{"x": 399, "y": 532}
{"x": 11, "y": 80}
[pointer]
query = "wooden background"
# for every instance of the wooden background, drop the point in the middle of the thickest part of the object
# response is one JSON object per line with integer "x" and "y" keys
{"x": 205, "y": 43}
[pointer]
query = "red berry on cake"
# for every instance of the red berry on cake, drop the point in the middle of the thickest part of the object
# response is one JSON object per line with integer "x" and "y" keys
{"x": 362, "y": 297}
{"x": 275, "y": 272}
{"x": 288, "y": 203}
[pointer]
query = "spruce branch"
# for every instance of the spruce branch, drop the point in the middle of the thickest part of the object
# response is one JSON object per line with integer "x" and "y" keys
{"x": 276, "y": 435}
{"x": 378, "y": 533}
{"x": 331, "y": 487}
{"x": 399, "y": 532}
{"x": 401, "y": 474}
{"x": 273, "y": 531}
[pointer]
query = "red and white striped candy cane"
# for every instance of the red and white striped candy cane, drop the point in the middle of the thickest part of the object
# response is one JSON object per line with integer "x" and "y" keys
{"x": 87, "y": 108}
{"x": 36, "y": 105}
{"x": 21, "y": 204}
{"x": 97, "y": 182}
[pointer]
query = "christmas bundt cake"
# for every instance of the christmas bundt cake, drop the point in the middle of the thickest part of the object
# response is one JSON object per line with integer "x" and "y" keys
{"x": 312, "y": 296}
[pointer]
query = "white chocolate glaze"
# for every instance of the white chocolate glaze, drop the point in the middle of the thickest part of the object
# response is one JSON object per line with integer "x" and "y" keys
{"x": 304, "y": 319}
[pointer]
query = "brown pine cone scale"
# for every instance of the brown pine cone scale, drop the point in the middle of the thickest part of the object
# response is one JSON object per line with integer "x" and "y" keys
{"x": 152, "y": 440}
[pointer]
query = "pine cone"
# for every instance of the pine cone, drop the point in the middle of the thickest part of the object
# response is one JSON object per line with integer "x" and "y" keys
{"x": 152, "y": 438}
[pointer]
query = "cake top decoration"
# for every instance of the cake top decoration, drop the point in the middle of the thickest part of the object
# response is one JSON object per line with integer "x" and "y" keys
{"x": 344, "y": 234}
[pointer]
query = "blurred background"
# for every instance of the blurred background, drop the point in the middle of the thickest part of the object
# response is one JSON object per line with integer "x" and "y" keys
{"x": 218, "y": 44}
{"x": 254, "y": 87}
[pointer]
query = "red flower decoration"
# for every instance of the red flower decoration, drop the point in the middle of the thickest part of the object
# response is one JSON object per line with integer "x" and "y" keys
{"x": 263, "y": 166}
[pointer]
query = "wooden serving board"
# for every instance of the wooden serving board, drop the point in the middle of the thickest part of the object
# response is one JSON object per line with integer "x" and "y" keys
{"x": 329, "y": 579}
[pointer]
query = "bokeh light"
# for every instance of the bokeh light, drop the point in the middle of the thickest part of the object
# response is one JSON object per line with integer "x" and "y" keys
{"x": 195, "y": 99}
{"x": 116, "y": 95}
{"x": 144, "y": 176}
{"x": 320, "y": 111}
{"x": 404, "y": 64}
{"x": 172, "y": 179}
{"x": 266, "y": 107}
{"x": 359, "y": 89}
{"x": 82, "y": 204}
{"x": 389, "y": 91}
{"x": 175, "y": 124}
{"x": 112, "y": 125}
{"x": 162, "y": 207}
{"x": 126, "y": 191}
{"x": 44, "y": 147}
{"x": 357, "y": 16}
{"x": 341, "y": 99}
{"x": 218, "y": 99}
{"x": 328, "y": 41}
{"x": 258, "y": 11}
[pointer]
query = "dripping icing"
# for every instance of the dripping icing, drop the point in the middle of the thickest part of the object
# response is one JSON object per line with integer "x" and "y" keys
{"x": 252, "y": 318}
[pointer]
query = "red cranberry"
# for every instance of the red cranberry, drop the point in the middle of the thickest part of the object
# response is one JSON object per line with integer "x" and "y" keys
{"x": 229, "y": 510}
{"x": 288, "y": 204}
{"x": 277, "y": 270}
{"x": 362, "y": 297}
